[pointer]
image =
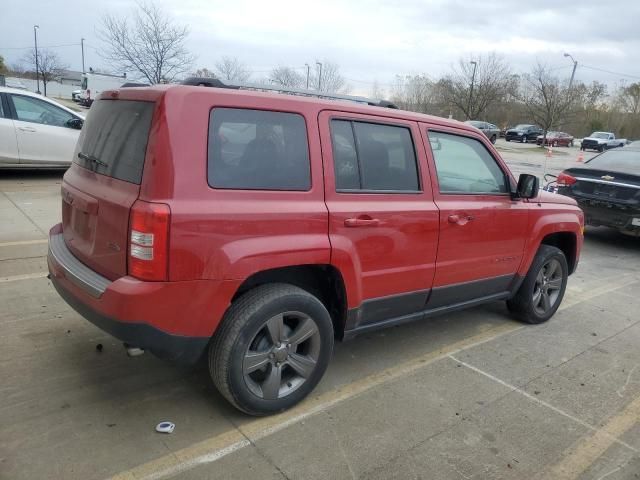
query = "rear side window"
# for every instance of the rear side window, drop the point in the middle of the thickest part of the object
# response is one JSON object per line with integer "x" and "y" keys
{"x": 258, "y": 150}
{"x": 113, "y": 140}
{"x": 464, "y": 165}
{"x": 370, "y": 156}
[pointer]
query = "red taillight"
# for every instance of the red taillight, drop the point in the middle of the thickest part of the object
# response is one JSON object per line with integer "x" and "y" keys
{"x": 565, "y": 180}
{"x": 149, "y": 240}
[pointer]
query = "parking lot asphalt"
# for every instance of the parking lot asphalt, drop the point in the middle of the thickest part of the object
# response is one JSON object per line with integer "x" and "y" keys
{"x": 470, "y": 395}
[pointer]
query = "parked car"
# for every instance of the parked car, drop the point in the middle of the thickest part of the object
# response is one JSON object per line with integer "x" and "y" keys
{"x": 76, "y": 95}
{"x": 607, "y": 188}
{"x": 602, "y": 141}
{"x": 523, "y": 133}
{"x": 556, "y": 139}
{"x": 257, "y": 227}
{"x": 489, "y": 129}
{"x": 36, "y": 132}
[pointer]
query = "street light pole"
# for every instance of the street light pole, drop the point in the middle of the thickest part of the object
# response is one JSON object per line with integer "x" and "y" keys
{"x": 473, "y": 78}
{"x": 82, "y": 47}
{"x": 308, "y": 72}
{"x": 573, "y": 73}
{"x": 319, "y": 75}
{"x": 35, "y": 40}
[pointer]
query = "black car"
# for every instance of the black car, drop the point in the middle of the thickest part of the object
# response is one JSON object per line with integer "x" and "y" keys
{"x": 607, "y": 188}
{"x": 523, "y": 133}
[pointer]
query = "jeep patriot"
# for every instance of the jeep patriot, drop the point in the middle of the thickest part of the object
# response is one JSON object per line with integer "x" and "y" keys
{"x": 257, "y": 228}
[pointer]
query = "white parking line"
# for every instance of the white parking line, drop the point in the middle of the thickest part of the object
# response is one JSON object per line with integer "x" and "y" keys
{"x": 24, "y": 242}
{"x": 543, "y": 403}
{"x": 27, "y": 276}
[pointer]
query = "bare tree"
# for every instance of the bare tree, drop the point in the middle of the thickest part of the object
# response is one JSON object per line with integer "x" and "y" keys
{"x": 232, "y": 70}
{"x": 377, "y": 91}
{"x": 3, "y": 67}
{"x": 147, "y": 43}
{"x": 287, "y": 77}
{"x": 630, "y": 98}
{"x": 547, "y": 99}
{"x": 50, "y": 67}
{"x": 328, "y": 78}
{"x": 204, "y": 72}
{"x": 491, "y": 83}
{"x": 414, "y": 92}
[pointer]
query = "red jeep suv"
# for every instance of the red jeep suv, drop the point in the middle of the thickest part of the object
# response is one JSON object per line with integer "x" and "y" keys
{"x": 258, "y": 227}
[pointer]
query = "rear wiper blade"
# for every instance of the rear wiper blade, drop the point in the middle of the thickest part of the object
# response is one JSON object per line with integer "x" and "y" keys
{"x": 92, "y": 159}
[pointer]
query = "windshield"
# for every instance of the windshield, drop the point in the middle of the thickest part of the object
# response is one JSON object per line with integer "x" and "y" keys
{"x": 599, "y": 135}
{"x": 475, "y": 123}
{"x": 521, "y": 127}
{"x": 84, "y": 83}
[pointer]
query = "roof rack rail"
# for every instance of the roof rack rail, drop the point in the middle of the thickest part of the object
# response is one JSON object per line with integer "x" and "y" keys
{"x": 216, "y": 83}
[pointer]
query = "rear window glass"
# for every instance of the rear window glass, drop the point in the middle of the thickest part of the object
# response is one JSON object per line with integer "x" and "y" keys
{"x": 113, "y": 140}
{"x": 258, "y": 150}
{"x": 623, "y": 161}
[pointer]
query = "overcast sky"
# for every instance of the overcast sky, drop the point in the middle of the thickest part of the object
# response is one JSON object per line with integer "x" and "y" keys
{"x": 369, "y": 39}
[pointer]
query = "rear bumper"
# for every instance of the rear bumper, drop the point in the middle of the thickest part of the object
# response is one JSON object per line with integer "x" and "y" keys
{"x": 173, "y": 320}
{"x": 607, "y": 214}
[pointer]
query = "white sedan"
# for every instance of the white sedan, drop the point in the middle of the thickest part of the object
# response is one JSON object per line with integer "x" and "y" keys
{"x": 36, "y": 132}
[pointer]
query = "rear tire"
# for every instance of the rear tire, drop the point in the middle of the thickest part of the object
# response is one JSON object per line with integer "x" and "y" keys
{"x": 542, "y": 290}
{"x": 271, "y": 349}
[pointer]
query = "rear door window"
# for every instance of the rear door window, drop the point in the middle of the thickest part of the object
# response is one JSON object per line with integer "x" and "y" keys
{"x": 113, "y": 140}
{"x": 373, "y": 157}
{"x": 257, "y": 150}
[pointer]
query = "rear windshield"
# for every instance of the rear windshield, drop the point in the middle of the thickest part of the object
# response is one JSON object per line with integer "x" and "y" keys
{"x": 114, "y": 138}
{"x": 623, "y": 161}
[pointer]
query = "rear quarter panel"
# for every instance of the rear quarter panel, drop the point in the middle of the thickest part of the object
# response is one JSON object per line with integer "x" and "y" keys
{"x": 229, "y": 234}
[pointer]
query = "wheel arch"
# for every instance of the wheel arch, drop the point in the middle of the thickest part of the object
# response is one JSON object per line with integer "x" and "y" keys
{"x": 567, "y": 242}
{"x": 321, "y": 280}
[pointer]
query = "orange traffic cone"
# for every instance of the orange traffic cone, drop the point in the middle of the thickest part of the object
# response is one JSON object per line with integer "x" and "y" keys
{"x": 581, "y": 157}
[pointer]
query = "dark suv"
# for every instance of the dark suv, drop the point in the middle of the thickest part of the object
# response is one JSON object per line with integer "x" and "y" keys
{"x": 258, "y": 227}
{"x": 523, "y": 133}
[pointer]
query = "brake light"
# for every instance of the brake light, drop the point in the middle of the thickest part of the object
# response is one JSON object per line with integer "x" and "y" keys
{"x": 149, "y": 240}
{"x": 565, "y": 180}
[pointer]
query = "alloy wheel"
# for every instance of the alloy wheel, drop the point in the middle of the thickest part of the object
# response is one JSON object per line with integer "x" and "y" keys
{"x": 282, "y": 355}
{"x": 546, "y": 290}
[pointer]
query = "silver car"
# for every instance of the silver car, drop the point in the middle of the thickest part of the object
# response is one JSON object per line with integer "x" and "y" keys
{"x": 489, "y": 129}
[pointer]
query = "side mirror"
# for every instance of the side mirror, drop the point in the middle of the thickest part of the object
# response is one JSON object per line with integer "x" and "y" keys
{"x": 528, "y": 186}
{"x": 75, "y": 123}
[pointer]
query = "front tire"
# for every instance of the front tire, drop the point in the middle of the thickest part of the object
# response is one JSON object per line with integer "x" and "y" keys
{"x": 542, "y": 290}
{"x": 493, "y": 139}
{"x": 524, "y": 139}
{"x": 271, "y": 349}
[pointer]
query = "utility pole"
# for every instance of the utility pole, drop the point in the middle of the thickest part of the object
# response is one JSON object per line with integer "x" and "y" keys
{"x": 35, "y": 40}
{"x": 308, "y": 72}
{"x": 473, "y": 78}
{"x": 319, "y": 75}
{"x": 573, "y": 73}
{"x": 82, "y": 47}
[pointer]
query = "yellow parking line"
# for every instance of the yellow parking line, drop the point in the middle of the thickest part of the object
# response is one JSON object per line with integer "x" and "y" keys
{"x": 214, "y": 448}
{"x": 24, "y": 242}
{"x": 578, "y": 458}
{"x": 27, "y": 276}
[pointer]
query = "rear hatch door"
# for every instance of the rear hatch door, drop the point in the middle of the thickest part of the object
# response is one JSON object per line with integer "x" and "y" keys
{"x": 104, "y": 182}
